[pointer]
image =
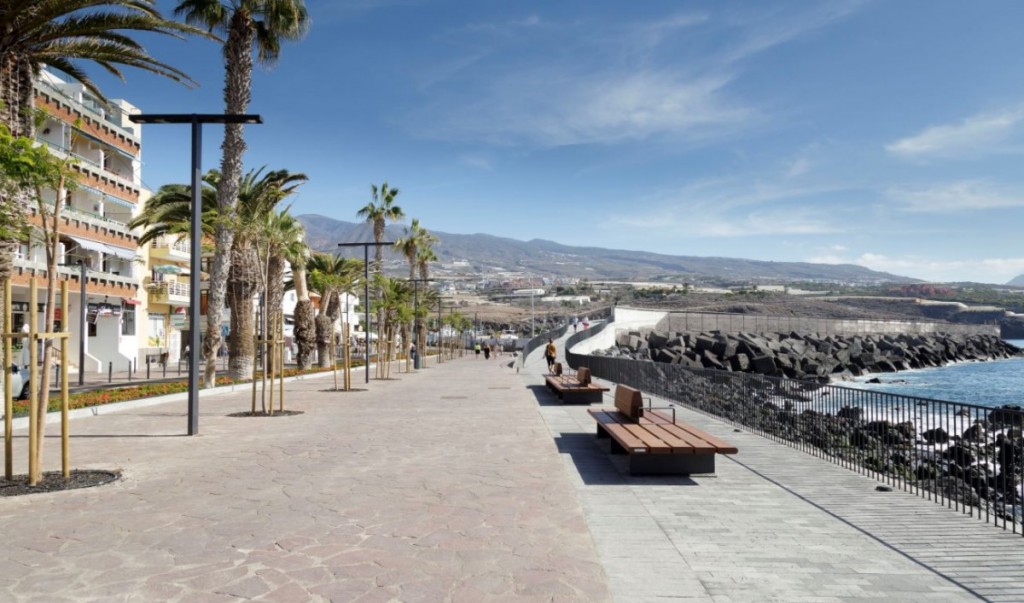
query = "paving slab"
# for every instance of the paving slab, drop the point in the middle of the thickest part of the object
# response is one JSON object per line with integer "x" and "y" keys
{"x": 437, "y": 485}
{"x": 773, "y": 524}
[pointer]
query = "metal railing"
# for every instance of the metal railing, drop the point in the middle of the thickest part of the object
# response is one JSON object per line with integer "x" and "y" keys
{"x": 180, "y": 246}
{"x": 163, "y": 288}
{"x": 541, "y": 340}
{"x": 964, "y": 456}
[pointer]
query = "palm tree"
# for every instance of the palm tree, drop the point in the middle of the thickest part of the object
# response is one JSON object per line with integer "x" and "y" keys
{"x": 424, "y": 256}
{"x": 59, "y": 33}
{"x": 379, "y": 212}
{"x": 247, "y": 23}
{"x": 169, "y": 211}
{"x": 330, "y": 276}
{"x": 285, "y": 238}
{"x": 258, "y": 197}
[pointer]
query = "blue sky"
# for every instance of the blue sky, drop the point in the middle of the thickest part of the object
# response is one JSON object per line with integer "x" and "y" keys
{"x": 887, "y": 134}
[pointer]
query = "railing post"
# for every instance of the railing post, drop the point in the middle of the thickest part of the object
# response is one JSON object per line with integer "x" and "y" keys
{"x": 110, "y": 372}
{"x": 129, "y": 370}
{"x": 147, "y": 368}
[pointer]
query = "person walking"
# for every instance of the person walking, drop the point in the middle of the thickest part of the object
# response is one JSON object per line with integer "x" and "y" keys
{"x": 487, "y": 351}
{"x": 476, "y": 349}
{"x": 549, "y": 355}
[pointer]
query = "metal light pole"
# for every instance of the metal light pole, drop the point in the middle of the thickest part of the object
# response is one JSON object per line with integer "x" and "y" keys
{"x": 366, "y": 292}
{"x": 195, "y": 231}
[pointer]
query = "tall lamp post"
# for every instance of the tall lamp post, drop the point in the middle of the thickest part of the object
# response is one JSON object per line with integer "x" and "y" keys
{"x": 195, "y": 231}
{"x": 366, "y": 292}
{"x": 416, "y": 319}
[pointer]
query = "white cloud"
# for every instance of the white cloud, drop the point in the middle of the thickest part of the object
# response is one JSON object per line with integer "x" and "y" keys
{"x": 475, "y": 161}
{"x": 720, "y": 208}
{"x": 966, "y": 195}
{"x": 977, "y": 135}
{"x": 554, "y": 108}
{"x": 798, "y": 167}
{"x": 985, "y": 270}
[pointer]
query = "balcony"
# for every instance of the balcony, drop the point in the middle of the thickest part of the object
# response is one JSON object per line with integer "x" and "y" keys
{"x": 169, "y": 292}
{"x": 170, "y": 249}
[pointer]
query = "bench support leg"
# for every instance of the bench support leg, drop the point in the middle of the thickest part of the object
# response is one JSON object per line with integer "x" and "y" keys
{"x": 669, "y": 464}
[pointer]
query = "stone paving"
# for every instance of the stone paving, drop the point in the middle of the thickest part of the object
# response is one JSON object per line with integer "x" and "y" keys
{"x": 773, "y": 524}
{"x": 468, "y": 482}
{"x": 441, "y": 485}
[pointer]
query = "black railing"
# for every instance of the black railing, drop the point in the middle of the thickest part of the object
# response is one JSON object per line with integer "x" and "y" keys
{"x": 541, "y": 340}
{"x": 964, "y": 456}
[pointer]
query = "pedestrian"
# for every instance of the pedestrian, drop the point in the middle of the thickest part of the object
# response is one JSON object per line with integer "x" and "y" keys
{"x": 575, "y": 321}
{"x": 549, "y": 355}
{"x": 487, "y": 351}
{"x": 412, "y": 352}
{"x": 476, "y": 348}
{"x": 586, "y": 323}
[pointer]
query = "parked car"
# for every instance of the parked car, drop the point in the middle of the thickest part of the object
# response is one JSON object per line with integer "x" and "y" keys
{"x": 19, "y": 384}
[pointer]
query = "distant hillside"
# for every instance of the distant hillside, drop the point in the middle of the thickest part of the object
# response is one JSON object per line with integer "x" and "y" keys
{"x": 538, "y": 256}
{"x": 1017, "y": 282}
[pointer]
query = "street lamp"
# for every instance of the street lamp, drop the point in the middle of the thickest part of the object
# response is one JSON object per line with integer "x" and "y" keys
{"x": 366, "y": 292}
{"x": 416, "y": 319}
{"x": 196, "y": 120}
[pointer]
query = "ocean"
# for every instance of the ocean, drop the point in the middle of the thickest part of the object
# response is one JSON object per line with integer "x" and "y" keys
{"x": 989, "y": 383}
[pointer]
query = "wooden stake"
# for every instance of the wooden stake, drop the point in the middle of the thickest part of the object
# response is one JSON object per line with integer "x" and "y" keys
{"x": 280, "y": 364}
{"x": 65, "y": 430}
{"x": 255, "y": 345}
{"x": 8, "y": 395}
{"x": 33, "y": 379}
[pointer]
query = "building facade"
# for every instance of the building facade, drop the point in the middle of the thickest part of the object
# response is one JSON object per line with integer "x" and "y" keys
{"x": 94, "y": 234}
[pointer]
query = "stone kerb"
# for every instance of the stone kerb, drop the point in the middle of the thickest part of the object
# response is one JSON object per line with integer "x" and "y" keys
{"x": 697, "y": 322}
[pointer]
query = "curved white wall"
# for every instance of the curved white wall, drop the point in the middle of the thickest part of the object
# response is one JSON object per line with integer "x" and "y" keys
{"x": 625, "y": 319}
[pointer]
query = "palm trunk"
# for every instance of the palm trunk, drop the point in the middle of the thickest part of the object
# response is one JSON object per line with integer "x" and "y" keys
{"x": 304, "y": 318}
{"x": 324, "y": 328}
{"x": 237, "y": 93}
{"x": 242, "y": 286}
{"x": 274, "y": 297}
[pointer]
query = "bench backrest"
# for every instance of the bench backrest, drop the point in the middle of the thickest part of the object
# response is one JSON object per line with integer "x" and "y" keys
{"x": 583, "y": 375}
{"x": 629, "y": 402}
{"x": 557, "y": 368}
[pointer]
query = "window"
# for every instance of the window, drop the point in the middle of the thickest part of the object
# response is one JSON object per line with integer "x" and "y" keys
{"x": 92, "y": 329}
{"x": 128, "y": 320}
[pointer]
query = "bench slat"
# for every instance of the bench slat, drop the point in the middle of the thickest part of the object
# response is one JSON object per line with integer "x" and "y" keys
{"x": 654, "y": 444}
{"x": 679, "y": 445}
{"x": 617, "y": 430}
{"x": 690, "y": 432}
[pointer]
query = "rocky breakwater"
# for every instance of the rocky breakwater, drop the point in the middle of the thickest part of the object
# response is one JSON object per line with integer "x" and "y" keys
{"x": 808, "y": 356}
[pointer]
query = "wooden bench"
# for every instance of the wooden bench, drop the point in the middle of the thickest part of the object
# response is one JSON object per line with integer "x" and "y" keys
{"x": 577, "y": 388}
{"x": 655, "y": 442}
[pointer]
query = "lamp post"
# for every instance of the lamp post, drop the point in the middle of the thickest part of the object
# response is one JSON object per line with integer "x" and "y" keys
{"x": 195, "y": 231}
{"x": 440, "y": 349}
{"x": 366, "y": 292}
{"x": 82, "y": 330}
{"x": 416, "y": 319}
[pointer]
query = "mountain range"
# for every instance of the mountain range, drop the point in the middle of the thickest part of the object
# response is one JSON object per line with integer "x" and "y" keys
{"x": 487, "y": 253}
{"x": 1017, "y": 281}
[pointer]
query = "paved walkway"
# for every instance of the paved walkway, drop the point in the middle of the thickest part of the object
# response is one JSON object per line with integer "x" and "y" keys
{"x": 457, "y": 483}
{"x": 442, "y": 485}
{"x": 774, "y": 524}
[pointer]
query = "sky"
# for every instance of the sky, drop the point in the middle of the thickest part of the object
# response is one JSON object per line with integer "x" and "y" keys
{"x": 884, "y": 134}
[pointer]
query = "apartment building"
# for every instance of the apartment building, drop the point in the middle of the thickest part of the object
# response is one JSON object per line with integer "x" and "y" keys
{"x": 93, "y": 224}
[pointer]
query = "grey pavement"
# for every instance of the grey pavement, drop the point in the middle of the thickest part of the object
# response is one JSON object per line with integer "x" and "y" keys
{"x": 441, "y": 485}
{"x": 773, "y": 524}
{"x": 467, "y": 482}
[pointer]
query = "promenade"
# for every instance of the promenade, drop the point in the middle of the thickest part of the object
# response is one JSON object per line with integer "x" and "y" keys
{"x": 465, "y": 481}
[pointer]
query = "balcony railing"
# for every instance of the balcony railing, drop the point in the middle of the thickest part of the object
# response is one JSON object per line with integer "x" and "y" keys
{"x": 181, "y": 246}
{"x": 168, "y": 289}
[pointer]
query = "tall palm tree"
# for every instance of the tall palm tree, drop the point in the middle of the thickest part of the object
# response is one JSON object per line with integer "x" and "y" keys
{"x": 409, "y": 245}
{"x": 246, "y": 23}
{"x": 424, "y": 256}
{"x": 378, "y": 212}
{"x": 169, "y": 211}
{"x": 60, "y": 33}
{"x": 258, "y": 196}
{"x": 330, "y": 276}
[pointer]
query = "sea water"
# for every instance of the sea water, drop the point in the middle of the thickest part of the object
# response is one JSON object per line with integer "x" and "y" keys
{"x": 988, "y": 383}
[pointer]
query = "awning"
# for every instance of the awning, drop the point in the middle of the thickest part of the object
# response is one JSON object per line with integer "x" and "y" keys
{"x": 90, "y": 245}
{"x": 131, "y": 302}
{"x": 168, "y": 269}
{"x": 120, "y": 252}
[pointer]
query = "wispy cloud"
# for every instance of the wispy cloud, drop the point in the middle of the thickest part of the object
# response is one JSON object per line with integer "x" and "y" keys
{"x": 977, "y": 135}
{"x": 715, "y": 209}
{"x": 477, "y": 162}
{"x": 585, "y": 108}
{"x": 567, "y": 83}
{"x": 962, "y": 196}
{"x": 987, "y": 270}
